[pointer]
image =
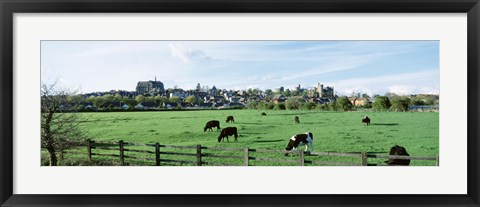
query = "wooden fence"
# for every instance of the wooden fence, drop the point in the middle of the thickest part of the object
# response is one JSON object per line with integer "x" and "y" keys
{"x": 197, "y": 155}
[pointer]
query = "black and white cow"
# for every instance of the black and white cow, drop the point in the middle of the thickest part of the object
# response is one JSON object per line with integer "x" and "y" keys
{"x": 297, "y": 120}
{"x": 299, "y": 140}
{"x": 366, "y": 121}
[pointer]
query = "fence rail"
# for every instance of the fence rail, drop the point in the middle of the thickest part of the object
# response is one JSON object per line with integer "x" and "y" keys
{"x": 198, "y": 153}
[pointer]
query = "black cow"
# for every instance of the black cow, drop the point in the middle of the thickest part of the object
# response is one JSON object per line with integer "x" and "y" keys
{"x": 228, "y": 132}
{"x": 366, "y": 121}
{"x": 264, "y": 114}
{"x": 297, "y": 120}
{"x": 230, "y": 119}
{"x": 299, "y": 140}
{"x": 211, "y": 124}
{"x": 398, "y": 150}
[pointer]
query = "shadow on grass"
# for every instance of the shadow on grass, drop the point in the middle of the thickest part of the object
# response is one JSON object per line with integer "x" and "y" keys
{"x": 99, "y": 144}
{"x": 318, "y": 122}
{"x": 290, "y": 114}
{"x": 250, "y": 133}
{"x": 266, "y": 141}
{"x": 251, "y": 123}
{"x": 375, "y": 152}
{"x": 384, "y": 124}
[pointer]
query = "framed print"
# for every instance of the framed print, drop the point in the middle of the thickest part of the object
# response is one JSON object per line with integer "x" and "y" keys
{"x": 199, "y": 103}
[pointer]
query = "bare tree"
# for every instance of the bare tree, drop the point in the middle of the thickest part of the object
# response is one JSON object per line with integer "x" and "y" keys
{"x": 60, "y": 127}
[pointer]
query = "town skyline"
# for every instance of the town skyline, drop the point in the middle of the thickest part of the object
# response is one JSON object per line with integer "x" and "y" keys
{"x": 371, "y": 67}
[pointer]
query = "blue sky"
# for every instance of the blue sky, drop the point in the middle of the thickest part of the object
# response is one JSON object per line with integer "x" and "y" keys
{"x": 372, "y": 67}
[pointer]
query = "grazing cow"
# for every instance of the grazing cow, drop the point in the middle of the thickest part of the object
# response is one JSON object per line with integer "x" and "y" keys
{"x": 230, "y": 119}
{"x": 212, "y": 124}
{"x": 366, "y": 121}
{"x": 299, "y": 140}
{"x": 264, "y": 114}
{"x": 297, "y": 120}
{"x": 228, "y": 132}
{"x": 398, "y": 150}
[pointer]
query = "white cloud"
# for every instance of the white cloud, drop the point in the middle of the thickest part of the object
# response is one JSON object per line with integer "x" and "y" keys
{"x": 401, "y": 89}
{"x": 187, "y": 54}
{"x": 270, "y": 77}
{"x": 89, "y": 49}
{"x": 390, "y": 78}
{"x": 402, "y": 84}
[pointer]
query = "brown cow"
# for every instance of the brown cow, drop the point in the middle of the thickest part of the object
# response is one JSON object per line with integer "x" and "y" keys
{"x": 211, "y": 124}
{"x": 228, "y": 132}
{"x": 230, "y": 119}
{"x": 398, "y": 150}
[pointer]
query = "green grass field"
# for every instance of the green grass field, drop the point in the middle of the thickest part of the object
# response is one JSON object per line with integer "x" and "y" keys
{"x": 333, "y": 131}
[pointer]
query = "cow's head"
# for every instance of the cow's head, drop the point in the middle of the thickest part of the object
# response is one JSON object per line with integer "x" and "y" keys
{"x": 290, "y": 146}
{"x": 204, "y": 129}
{"x": 220, "y": 136}
{"x": 398, "y": 150}
{"x": 310, "y": 134}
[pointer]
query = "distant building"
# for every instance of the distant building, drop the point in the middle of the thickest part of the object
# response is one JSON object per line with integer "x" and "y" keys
{"x": 278, "y": 98}
{"x": 154, "y": 87}
{"x": 298, "y": 88}
{"x": 324, "y": 92}
{"x": 359, "y": 101}
{"x": 280, "y": 90}
{"x": 214, "y": 90}
{"x": 146, "y": 105}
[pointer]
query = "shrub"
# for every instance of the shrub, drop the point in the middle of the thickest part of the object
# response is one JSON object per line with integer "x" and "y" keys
{"x": 279, "y": 106}
{"x": 381, "y": 103}
{"x": 344, "y": 104}
{"x": 252, "y": 105}
{"x": 322, "y": 107}
{"x": 309, "y": 106}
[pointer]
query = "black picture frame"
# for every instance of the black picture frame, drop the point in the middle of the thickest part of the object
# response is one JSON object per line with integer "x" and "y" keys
{"x": 10, "y": 7}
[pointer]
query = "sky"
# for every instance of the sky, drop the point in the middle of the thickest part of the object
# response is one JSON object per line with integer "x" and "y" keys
{"x": 372, "y": 67}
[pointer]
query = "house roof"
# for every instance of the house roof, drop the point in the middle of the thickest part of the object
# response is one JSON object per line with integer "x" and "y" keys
{"x": 206, "y": 105}
{"x": 171, "y": 104}
{"x": 113, "y": 103}
{"x": 278, "y": 96}
{"x": 235, "y": 104}
{"x": 149, "y": 104}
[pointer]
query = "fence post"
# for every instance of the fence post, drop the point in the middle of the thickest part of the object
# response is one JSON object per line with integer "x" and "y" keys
{"x": 245, "y": 156}
{"x": 302, "y": 158}
{"x": 199, "y": 155}
{"x": 364, "y": 157}
{"x": 157, "y": 154}
{"x": 437, "y": 160}
{"x": 122, "y": 158}
{"x": 89, "y": 149}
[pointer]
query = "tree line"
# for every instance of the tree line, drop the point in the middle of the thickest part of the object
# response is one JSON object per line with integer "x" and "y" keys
{"x": 380, "y": 103}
